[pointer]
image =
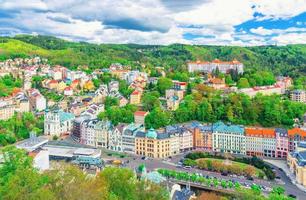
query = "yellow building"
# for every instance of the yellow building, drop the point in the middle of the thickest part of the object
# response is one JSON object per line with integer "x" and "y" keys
{"x": 152, "y": 144}
{"x": 135, "y": 97}
{"x": 61, "y": 86}
{"x": 89, "y": 86}
{"x": 297, "y": 163}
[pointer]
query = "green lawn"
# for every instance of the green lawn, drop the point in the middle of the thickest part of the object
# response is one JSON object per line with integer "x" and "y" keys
{"x": 242, "y": 166}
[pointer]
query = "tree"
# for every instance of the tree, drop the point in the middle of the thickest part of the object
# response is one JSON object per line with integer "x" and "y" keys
{"x": 243, "y": 83}
{"x": 19, "y": 180}
{"x": 120, "y": 182}
{"x": 111, "y": 101}
{"x": 163, "y": 84}
{"x": 150, "y": 100}
{"x": 157, "y": 118}
{"x": 70, "y": 183}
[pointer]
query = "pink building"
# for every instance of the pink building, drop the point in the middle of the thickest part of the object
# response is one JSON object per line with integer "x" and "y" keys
{"x": 282, "y": 143}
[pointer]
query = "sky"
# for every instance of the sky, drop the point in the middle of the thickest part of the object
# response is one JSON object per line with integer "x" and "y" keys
{"x": 209, "y": 22}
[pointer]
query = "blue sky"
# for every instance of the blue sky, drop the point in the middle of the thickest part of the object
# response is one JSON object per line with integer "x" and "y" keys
{"x": 210, "y": 22}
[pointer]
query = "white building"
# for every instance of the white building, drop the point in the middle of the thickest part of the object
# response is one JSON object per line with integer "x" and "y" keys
{"x": 37, "y": 100}
{"x": 228, "y": 138}
{"x": 128, "y": 137}
{"x": 209, "y": 67}
{"x": 184, "y": 135}
{"x": 115, "y": 138}
{"x": 298, "y": 95}
{"x": 58, "y": 122}
{"x": 95, "y": 133}
{"x": 33, "y": 146}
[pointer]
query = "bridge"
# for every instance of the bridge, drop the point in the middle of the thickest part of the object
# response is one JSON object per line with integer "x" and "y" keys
{"x": 202, "y": 187}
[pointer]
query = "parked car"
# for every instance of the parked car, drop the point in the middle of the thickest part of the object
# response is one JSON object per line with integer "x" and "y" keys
{"x": 292, "y": 196}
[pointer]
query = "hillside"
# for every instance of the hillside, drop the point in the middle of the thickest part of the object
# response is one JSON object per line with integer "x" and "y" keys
{"x": 285, "y": 60}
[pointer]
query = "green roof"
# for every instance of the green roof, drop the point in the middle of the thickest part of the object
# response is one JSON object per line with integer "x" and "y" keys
{"x": 152, "y": 133}
{"x": 65, "y": 116}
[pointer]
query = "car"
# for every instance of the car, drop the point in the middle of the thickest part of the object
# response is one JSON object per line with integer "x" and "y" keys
{"x": 292, "y": 196}
{"x": 250, "y": 178}
{"x": 144, "y": 158}
{"x": 224, "y": 173}
{"x": 187, "y": 167}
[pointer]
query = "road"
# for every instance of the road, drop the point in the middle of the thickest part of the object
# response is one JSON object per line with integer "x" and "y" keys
{"x": 133, "y": 161}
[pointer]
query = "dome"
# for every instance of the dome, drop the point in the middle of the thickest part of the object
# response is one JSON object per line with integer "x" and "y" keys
{"x": 152, "y": 133}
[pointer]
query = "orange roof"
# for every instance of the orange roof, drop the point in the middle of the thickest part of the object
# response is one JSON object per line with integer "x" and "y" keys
{"x": 15, "y": 91}
{"x": 141, "y": 113}
{"x": 216, "y": 81}
{"x": 135, "y": 92}
{"x": 259, "y": 132}
{"x": 32, "y": 154}
{"x": 297, "y": 131}
{"x": 75, "y": 81}
{"x": 52, "y": 81}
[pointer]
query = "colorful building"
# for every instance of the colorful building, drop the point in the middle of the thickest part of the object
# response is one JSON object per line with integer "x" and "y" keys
{"x": 297, "y": 163}
{"x": 135, "y": 97}
{"x": 139, "y": 117}
{"x": 282, "y": 143}
{"x": 295, "y": 136}
{"x": 260, "y": 142}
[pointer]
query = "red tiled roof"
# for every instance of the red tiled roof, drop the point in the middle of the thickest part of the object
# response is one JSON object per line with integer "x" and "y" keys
{"x": 52, "y": 81}
{"x": 135, "y": 92}
{"x": 141, "y": 113}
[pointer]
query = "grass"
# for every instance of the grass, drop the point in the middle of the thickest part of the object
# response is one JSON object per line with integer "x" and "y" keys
{"x": 242, "y": 166}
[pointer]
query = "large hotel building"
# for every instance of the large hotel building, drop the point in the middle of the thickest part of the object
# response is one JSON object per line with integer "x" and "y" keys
{"x": 208, "y": 67}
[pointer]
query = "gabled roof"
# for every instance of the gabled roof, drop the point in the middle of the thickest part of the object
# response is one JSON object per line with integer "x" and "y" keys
{"x": 140, "y": 113}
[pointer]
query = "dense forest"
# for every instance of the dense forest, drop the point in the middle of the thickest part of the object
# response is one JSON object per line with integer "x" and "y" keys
{"x": 281, "y": 60}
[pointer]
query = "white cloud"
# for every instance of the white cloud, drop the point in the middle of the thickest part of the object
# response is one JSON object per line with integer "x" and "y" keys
{"x": 217, "y": 12}
{"x": 280, "y": 8}
{"x": 154, "y": 21}
{"x": 290, "y": 38}
{"x": 263, "y": 31}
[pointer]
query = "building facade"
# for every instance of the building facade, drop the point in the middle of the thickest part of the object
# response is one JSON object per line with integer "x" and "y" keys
{"x": 209, "y": 67}
{"x": 57, "y": 122}
{"x": 297, "y": 163}
{"x": 228, "y": 138}
{"x": 260, "y": 142}
{"x": 298, "y": 95}
{"x": 152, "y": 144}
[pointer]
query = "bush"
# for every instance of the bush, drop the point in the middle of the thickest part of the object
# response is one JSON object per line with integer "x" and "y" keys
{"x": 189, "y": 162}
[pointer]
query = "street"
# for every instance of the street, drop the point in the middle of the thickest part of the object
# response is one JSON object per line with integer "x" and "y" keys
{"x": 133, "y": 161}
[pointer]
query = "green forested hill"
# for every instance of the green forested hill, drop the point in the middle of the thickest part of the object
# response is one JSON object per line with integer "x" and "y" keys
{"x": 285, "y": 60}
